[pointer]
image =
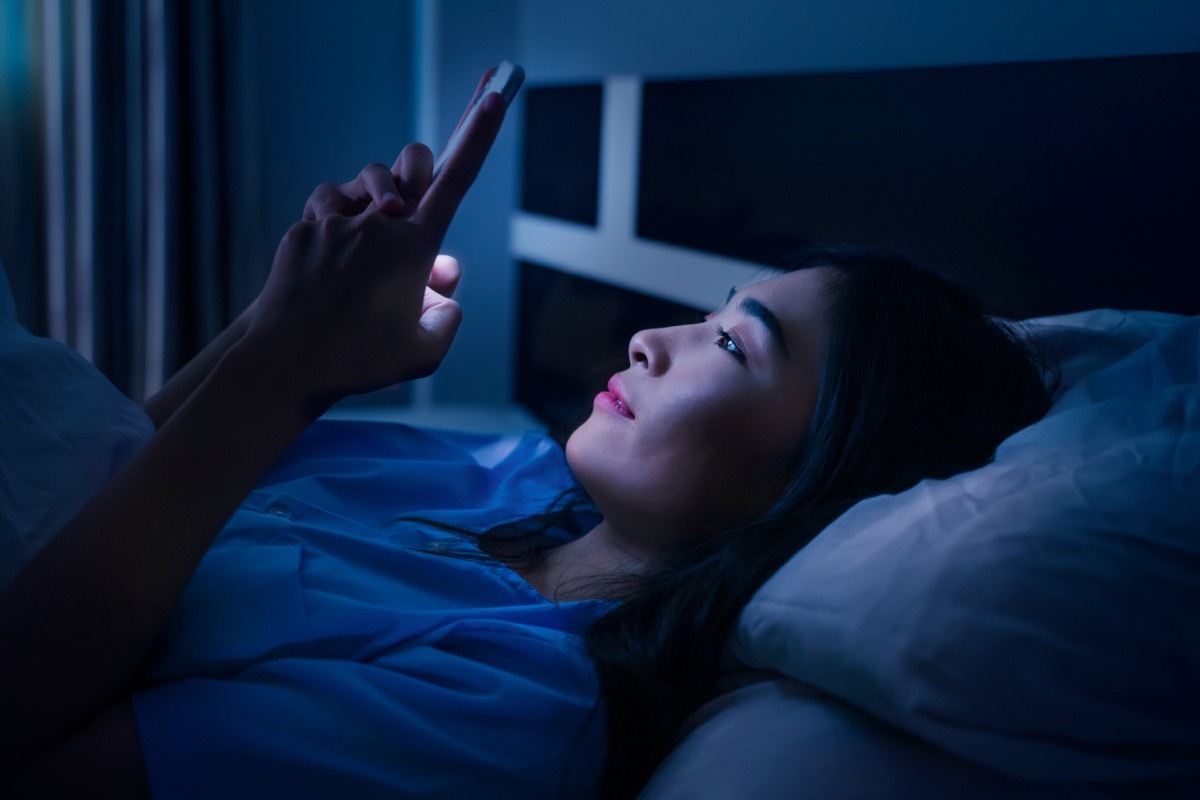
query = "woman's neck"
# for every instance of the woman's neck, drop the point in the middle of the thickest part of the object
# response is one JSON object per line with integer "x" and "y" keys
{"x": 596, "y": 565}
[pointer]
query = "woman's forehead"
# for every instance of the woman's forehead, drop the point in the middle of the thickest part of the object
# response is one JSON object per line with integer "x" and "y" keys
{"x": 800, "y": 291}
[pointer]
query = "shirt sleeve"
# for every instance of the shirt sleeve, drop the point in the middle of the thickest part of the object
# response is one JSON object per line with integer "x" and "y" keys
{"x": 474, "y": 709}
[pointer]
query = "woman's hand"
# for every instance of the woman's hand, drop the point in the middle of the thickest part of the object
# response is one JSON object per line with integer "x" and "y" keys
{"x": 356, "y": 299}
{"x": 348, "y": 307}
{"x": 394, "y": 191}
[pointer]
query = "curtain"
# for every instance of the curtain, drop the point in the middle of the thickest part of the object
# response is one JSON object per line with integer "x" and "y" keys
{"x": 129, "y": 172}
{"x": 21, "y": 201}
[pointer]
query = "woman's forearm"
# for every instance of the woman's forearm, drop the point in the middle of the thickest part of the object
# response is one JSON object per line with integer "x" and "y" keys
{"x": 161, "y": 405}
{"x": 77, "y": 624}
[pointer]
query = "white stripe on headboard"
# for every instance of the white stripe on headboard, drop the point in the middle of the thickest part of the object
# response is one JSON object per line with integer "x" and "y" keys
{"x": 696, "y": 279}
{"x": 621, "y": 121}
{"x": 611, "y": 252}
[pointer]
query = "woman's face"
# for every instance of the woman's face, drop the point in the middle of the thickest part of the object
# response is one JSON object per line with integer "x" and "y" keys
{"x": 692, "y": 436}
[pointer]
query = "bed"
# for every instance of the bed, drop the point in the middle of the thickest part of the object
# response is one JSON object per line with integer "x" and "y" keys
{"x": 1027, "y": 629}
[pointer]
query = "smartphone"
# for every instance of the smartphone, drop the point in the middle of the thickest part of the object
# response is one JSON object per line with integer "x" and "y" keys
{"x": 505, "y": 78}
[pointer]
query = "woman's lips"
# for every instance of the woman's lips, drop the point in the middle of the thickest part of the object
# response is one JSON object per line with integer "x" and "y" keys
{"x": 613, "y": 401}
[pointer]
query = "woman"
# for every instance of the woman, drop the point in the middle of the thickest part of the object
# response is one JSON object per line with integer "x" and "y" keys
{"x": 723, "y": 448}
{"x": 913, "y": 381}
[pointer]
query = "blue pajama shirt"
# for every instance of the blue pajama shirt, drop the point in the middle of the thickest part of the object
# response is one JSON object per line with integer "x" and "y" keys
{"x": 317, "y": 653}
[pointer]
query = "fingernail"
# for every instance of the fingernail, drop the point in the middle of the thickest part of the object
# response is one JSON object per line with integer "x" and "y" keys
{"x": 493, "y": 102}
{"x": 391, "y": 199}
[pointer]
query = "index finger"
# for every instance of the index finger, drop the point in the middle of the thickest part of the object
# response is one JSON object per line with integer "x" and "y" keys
{"x": 441, "y": 201}
{"x": 487, "y": 76}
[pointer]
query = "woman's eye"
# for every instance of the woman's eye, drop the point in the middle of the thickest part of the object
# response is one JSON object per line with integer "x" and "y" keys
{"x": 726, "y": 342}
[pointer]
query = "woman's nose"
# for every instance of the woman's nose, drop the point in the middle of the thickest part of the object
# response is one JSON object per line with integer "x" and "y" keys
{"x": 649, "y": 348}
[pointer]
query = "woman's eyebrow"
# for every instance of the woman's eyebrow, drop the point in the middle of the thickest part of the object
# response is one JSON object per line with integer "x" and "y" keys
{"x": 766, "y": 316}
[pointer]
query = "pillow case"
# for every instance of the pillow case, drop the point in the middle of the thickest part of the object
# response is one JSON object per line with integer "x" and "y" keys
{"x": 783, "y": 739}
{"x": 1037, "y": 616}
{"x": 64, "y": 430}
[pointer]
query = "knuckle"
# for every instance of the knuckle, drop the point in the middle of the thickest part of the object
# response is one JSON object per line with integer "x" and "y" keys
{"x": 326, "y": 189}
{"x": 373, "y": 173}
{"x": 321, "y": 198}
{"x": 328, "y": 226}
{"x": 299, "y": 233}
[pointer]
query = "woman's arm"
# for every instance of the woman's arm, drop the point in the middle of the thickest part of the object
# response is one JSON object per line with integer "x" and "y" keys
{"x": 165, "y": 402}
{"x": 346, "y": 308}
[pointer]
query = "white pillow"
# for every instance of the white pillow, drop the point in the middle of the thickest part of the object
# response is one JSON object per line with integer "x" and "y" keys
{"x": 64, "y": 430}
{"x": 1039, "y": 616}
{"x": 780, "y": 739}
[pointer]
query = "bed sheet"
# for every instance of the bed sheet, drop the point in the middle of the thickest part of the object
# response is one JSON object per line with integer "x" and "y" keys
{"x": 64, "y": 431}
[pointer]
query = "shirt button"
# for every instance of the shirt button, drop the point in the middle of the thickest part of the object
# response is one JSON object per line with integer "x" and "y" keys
{"x": 279, "y": 510}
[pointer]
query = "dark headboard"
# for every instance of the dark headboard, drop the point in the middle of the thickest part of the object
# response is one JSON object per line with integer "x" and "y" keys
{"x": 1048, "y": 187}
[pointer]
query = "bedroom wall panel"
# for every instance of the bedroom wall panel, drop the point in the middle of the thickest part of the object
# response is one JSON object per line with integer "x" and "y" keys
{"x": 565, "y": 42}
{"x": 1048, "y": 187}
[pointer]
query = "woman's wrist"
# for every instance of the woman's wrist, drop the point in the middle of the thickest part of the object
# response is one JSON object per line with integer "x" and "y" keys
{"x": 272, "y": 381}
{"x": 167, "y": 400}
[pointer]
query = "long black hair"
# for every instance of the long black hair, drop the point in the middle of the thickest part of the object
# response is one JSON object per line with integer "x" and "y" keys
{"x": 918, "y": 382}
